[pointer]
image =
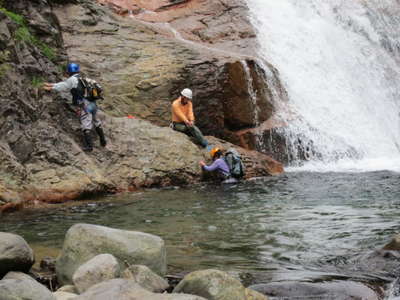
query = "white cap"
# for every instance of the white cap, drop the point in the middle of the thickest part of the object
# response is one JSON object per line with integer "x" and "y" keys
{"x": 187, "y": 93}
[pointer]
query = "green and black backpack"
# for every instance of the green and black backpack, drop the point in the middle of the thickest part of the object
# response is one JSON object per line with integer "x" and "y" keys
{"x": 90, "y": 89}
{"x": 234, "y": 162}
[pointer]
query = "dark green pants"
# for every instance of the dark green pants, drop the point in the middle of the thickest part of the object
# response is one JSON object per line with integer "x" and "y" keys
{"x": 192, "y": 131}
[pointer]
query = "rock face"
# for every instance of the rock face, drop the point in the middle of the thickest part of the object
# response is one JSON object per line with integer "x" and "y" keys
{"x": 216, "y": 285}
{"x": 84, "y": 241}
{"x": 143, "y": 65}
{"x": 394, "y": 244}
{"x": 123, "y": 289}
{"x": 15, "y": 254}
{"x": 98, "y": 269}
{"x": 146, "y": 278}
{"x": 208, "y": 46}
{"x": 23, "y": 288}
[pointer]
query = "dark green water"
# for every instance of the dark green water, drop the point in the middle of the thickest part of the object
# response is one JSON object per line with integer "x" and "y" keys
{"x": 298, "y": 225}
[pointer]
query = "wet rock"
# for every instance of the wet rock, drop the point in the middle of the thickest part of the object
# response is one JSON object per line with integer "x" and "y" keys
{"x": 124, "y": 289}
{"x": 146, "y": 278}
{"x": 98, "y": 269}
{"x": 85, "y": 241}
{"x": 15, "y": 254}
{"x": 64, "y": 295}
{"x": 338, "y": 290}
{"x": 23, "y": 287}
{"x": 216, "y": 285}
{"x": 394, "y": 244}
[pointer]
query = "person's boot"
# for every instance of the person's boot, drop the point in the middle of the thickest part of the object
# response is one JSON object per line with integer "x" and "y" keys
{"x": 100, "y": 132}
{"x": 87, "y": 141}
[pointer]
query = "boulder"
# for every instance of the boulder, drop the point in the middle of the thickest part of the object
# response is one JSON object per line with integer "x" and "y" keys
{"x": 18, "y": 276}
{"x": 394, "y": 244}
{"x": 68, "y": 289}
{"x": 64, "y": 295}
{"x": 100, "y": 268}
{"x": 123, "y": 289}
{"x": 15, "y": 254}
{"x": 216, "y": 285}
{"x": 23, "y": 288}
{"x": 146, "y": 278}
{"x": 85, "y": 241}
{"x": 338, "y": 290}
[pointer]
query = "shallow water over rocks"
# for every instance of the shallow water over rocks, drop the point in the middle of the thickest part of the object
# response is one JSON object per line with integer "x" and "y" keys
{"x": 296, "y": 226}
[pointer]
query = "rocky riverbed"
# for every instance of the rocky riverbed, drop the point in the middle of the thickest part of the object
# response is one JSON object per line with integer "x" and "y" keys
{"x": 98, "y": 262}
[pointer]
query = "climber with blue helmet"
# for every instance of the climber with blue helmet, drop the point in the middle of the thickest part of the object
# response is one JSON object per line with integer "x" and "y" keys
{"x": 86, "y": 108}
{"x": 183, "y": 117}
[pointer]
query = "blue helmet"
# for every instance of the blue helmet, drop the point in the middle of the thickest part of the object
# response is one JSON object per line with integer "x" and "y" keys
{"x": 73, "y": 68}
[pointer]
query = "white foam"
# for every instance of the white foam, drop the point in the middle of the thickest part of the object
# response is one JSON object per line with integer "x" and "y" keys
{"x": 339, "y": 62}
{"x": 349, "y": 166}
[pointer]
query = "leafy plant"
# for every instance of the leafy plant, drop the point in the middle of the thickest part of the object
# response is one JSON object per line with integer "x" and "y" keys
{"x": 23, "y": 34}
{"x": 13, "y": 16}
{"x": 3, "y": 69}
{"x": 37, "y": 81}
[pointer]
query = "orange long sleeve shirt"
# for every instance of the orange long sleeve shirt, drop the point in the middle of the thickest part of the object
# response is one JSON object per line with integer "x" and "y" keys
{"x": 182, "y": 113}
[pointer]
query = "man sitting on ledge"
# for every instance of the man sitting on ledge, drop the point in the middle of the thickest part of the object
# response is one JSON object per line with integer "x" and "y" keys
{"x": 183, "y": 117}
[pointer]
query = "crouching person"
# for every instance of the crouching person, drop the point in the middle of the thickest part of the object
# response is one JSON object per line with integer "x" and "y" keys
{"x": 183, "y": 117}
{"x": 86, "y": 104}
{"x": 219, "y": 166}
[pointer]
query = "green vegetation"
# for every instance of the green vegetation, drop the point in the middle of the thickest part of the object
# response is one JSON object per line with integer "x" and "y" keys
{"x": 13, "y": 16}
{"x": 37, "y": 81}
{"x": 4, "y": 66}
{"x": 23, "y": 34}
{"x": 3, "y": 69}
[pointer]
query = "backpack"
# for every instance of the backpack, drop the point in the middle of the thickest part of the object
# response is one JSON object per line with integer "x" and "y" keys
{"x": 90, "y": 89}
{"x": 234, "y": 162}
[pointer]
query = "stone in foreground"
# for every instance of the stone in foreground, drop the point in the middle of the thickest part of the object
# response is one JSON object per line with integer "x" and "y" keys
{"x": 100, "y": 268}
{"x": 15, "y": 254}
{"x": 124, "y": 289}
{"x": 23, "y": 288}
{"x": 85, "y": 241}
{"x": 216, "y": 285}
{"x": 64, "y": 295}
{"x": 146, "y": 278}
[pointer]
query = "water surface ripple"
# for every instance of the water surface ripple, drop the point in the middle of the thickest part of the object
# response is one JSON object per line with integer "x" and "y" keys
{"x": 293, "y": 226}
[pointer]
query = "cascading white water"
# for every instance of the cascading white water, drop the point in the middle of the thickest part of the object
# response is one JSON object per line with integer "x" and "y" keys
{"x": 340, "y": 63}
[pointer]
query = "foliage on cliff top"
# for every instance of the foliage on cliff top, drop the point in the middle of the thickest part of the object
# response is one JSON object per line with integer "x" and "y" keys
{"x": 23, "y": 34}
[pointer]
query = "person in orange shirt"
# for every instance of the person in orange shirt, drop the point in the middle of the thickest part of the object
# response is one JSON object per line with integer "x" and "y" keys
{"x": 183, "y": 117}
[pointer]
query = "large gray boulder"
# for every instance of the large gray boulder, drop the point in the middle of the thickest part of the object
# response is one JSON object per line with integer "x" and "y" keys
{"x": 85, "y": 241}
{"x": 19, "y": 286}
{"x": 100, "y": 268}
{"x": 124, "y": 289}
{"x": 146, "y": 278}
{"x": 15, "y": 254}
{"x": 216, "y": 285}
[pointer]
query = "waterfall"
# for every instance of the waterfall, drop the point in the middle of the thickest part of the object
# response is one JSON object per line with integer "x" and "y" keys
{"x": 339, "y": 61}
